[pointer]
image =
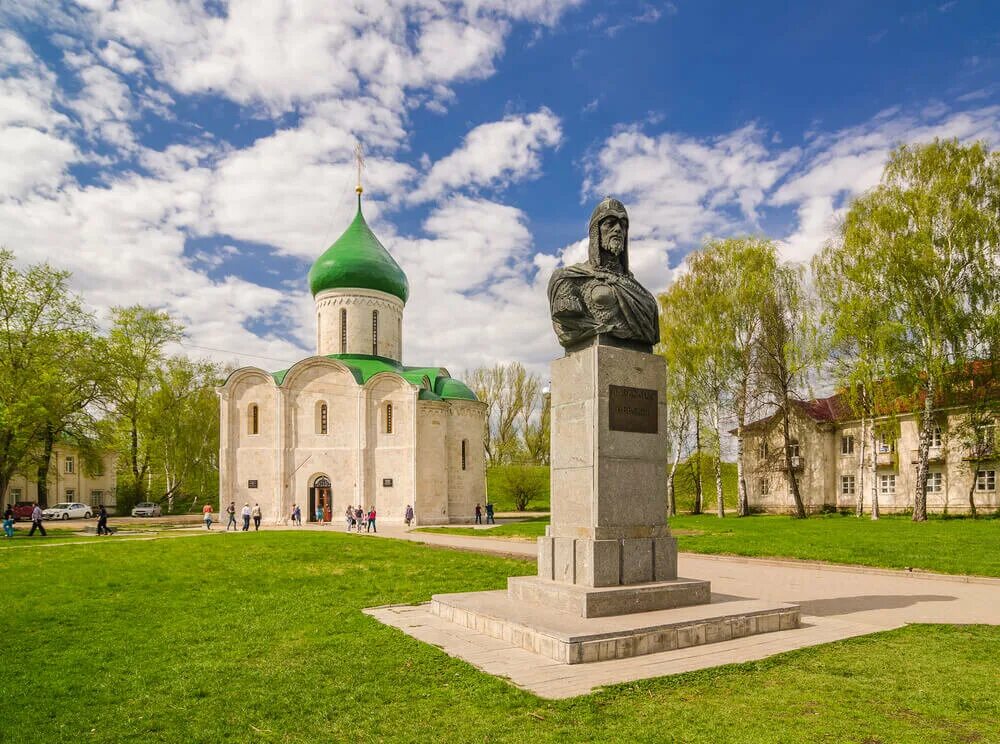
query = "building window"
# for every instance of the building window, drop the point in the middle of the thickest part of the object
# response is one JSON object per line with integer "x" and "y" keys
{"x": 847, "y": 485}
{"x": 343, "y": 330}
{"x": 936, "y": 437}
{"x": 465, "y": 443}
{"x": 253, "y": 419}
{"x": 374, "y": 332}
{"x": 986, "y": 480}
{"x": 762, "y": 450}
{"x": 887, "y": 484}
{"x": 793, "y": 449}
{"x": 71, "y": 494}
{"x": 763, "y": 486}
{"x": 322, "y": 421}
{"x": 96, "y": 498}
{"x": 886, "y": 444}
{"x": 69, "y": 464}
{"x": 935, "y": 482}
{"x": 319, "y": 330}
{"x": 388, "y": 418}
{"x": 15, "y": 494}
{"x": 847, "y": 444}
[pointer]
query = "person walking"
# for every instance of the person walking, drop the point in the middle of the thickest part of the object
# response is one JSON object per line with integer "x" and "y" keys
{"x": 479, "y": 514}
{"x": 256, "y": 517}
{"x": 408, "y": 515}
{"x": 359, "y": 517}
{"x": 489, "y": 513}
{"x": 231, "y": 511}
{"x": 102, "y": 521}
{"x": 207, "y": 511}
{"x": 245, "y": 513}
{"x": 8, "y": 522}
{"x": 36, "y": 521}
{"x": 319, "y": 513}
{"x": 371, "y": 521}
{"x": 297, "y": 515}
{"x": 349, "y": 517}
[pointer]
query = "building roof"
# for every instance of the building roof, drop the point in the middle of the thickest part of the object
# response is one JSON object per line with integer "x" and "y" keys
{"x": 435, "y": 382}
{"x": 976, "y": 382}
{"x": 357, "y": 260}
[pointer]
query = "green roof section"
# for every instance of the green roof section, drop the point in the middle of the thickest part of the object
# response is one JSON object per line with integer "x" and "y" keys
{"x": 433, "y": 383}
{"x": 357, "y": 260}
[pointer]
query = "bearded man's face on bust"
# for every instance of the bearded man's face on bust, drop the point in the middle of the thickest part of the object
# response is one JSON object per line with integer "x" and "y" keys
{"x": 613, "y": 232}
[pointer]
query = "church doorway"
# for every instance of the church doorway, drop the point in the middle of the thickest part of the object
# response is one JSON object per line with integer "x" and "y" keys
{"x": 321, "y": 500}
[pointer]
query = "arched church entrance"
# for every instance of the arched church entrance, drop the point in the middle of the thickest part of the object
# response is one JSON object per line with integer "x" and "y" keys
{"x": 321, "y": 500}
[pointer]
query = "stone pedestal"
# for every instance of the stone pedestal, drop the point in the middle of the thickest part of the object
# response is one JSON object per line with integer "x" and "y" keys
{"x": 607, "y": 584}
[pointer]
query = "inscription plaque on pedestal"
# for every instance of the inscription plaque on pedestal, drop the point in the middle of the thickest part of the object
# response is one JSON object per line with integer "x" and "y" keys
{"x": 632, "y": 409}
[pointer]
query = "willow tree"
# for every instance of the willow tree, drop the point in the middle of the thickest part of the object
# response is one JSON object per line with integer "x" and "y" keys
{"x": 933, "y": 225}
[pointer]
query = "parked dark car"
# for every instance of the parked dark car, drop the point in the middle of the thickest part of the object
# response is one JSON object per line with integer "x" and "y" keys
{"x": 22, "y": 511}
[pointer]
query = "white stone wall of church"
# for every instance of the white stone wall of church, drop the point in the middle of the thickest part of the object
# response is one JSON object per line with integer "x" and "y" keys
{"x": 390, "y": 455}
{"x": 254, "y": 456}
{"x": 359, "y": 305}
{"x": 431, "y": 500}
{"x": 466, "y": 487}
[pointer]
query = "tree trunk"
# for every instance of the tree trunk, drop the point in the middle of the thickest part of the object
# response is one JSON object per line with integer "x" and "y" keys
{"x": 793, "y": 483}
{"x": 720, "y": 505}
{"x": 860, "y": 507}
{"x": 926, "y": 430}
{"x": 875, "y": 514}
{"x": 48, "y": 441}
{"x": 972, "y": 489}
{"x": 697, "y": 464}
{"x": 742, "y": 502}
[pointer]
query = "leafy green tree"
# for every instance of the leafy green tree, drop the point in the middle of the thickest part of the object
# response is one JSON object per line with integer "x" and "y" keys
{"x": 183, "y": 429}
{"x": 933, "y": 227}
{"x": 512, "y": 396}
{"x": 45, "y": 352}
{"x": 135, "y": 356}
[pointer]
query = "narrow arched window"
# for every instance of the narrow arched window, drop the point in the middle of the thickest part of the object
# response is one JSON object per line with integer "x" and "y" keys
{"x": 319, "y": 330}
{"x": 374, "y": 332}
{"x": 253, "y": 419}
{"x": 388, "y": 418}
{"x": 343, "y": 330}
{"x": 322, "y": 420}
{"x": 465, "y": 445}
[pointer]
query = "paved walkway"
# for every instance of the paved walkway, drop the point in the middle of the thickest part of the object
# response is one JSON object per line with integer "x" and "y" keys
{"x": 837, "y": 602}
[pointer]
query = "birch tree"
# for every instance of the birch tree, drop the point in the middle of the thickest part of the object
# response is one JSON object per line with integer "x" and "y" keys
{"x": 933, "y": 225}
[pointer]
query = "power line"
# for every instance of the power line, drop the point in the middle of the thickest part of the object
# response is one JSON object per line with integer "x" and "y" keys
{"x": 235, "y": 353}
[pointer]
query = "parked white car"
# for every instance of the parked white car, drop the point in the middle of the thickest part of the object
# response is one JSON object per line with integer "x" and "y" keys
{"x": 146, "y": 509}
{"x": 68, "y": 510}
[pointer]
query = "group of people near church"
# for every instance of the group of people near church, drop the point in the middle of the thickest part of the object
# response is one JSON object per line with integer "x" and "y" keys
{"x": 246, "y": 513}
{"x": 489, "y": 514}
{"x": 357, "y": 518}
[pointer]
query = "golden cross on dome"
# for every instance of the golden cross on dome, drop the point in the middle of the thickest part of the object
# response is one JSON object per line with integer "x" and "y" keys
{"x": 360, "y": 158}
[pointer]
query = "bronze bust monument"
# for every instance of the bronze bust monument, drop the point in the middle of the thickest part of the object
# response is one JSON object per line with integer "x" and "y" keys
{"x": 600, "y": 301}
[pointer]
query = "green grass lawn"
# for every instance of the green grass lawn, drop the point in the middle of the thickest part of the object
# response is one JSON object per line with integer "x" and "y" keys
{"x": 260, "y": 637}
{"x": 526, "y": 529}
{"x": 957, "y": 546}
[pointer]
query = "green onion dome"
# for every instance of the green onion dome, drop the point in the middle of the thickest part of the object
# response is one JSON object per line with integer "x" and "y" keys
{"x": 357, "y": 260}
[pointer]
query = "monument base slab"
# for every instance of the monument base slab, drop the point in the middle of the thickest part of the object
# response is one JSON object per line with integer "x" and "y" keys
{"x": 571, "y": 639}
{"x": 585, "y": 601}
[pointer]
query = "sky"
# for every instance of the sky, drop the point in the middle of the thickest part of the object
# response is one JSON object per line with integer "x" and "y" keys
{"x": 198, "y": 156}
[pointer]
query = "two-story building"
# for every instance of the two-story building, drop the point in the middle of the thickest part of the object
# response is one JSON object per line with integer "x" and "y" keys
{"x": 70, "y": 479}
{"x": 826, "y": 451}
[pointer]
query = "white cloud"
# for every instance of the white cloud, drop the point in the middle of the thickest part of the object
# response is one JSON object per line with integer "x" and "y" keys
{"x": 494, "y": 154}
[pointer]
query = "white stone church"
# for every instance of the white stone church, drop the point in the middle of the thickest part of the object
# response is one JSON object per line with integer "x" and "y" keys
{"x": 353, "y": 425}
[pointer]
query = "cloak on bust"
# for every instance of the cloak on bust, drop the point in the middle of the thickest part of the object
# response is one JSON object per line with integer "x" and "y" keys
{"x": 599, "y": 301}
